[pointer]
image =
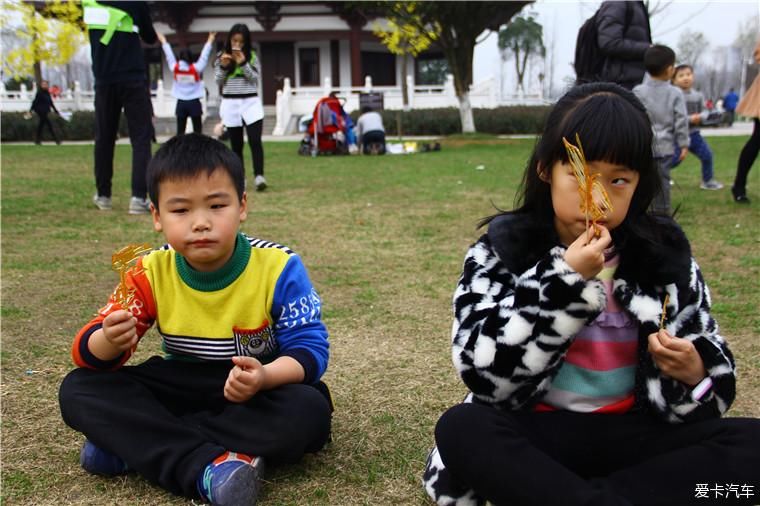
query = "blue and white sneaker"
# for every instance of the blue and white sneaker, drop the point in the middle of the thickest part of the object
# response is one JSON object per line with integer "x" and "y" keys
{"x": 231, "y": 479}
{"x": 95, "y": 460}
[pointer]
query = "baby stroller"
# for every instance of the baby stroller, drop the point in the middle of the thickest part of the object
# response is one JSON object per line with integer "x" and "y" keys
{"x": 327, "y": 131}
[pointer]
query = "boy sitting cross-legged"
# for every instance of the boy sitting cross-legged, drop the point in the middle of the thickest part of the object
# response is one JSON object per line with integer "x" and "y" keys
{"x": 244, "y": 345}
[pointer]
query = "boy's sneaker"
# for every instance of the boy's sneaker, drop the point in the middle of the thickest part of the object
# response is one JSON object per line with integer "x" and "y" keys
{"x": 139, "y": 206}
{"x": 102, "y": 203}
{"x": 231, "y": 479}
{"x": 260, "y": 182}
{"x": 95, "y": 460}
{"x": 711, "y": 185}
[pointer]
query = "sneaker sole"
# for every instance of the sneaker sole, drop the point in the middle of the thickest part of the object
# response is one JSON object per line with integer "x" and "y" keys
{"x": 242, "y": 487}
{"x": 140, "y": 211}
{"x": 261, "y": 187}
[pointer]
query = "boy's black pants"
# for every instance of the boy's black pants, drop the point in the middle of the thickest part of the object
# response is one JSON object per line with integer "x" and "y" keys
{"x": 134, "y": 98}
{"x": 167, "y": 419}
{"x": 564, "y": 458}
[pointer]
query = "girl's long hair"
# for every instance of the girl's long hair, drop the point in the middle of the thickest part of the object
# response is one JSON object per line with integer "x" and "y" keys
{"x": 613, "y": 127}
{"x": 246, "y": 33}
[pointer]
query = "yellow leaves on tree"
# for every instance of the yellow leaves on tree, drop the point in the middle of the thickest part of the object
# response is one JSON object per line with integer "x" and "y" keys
{"x": 404, "y": 33}
{"x": 50, "y": 32}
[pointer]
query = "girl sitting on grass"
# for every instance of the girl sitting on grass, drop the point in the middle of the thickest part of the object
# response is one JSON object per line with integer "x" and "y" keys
{"x": 596, "y": 373}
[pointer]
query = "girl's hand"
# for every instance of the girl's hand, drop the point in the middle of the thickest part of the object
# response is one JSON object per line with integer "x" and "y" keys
{"x": 684, "y": 152}
{"x": 677, "y": 358}
{"x": 120, "y": 330}
{"x": 586, "y": 254}
{"x": 161, "y": 37}
{"x": 225, "y": 59}
{"x": 244, "y": 380}
{"x": 211, "y": 37}
{"x": 238, "y": 55}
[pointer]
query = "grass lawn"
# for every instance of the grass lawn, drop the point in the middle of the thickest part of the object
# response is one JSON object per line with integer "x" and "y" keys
{"x": 383, "y": 239}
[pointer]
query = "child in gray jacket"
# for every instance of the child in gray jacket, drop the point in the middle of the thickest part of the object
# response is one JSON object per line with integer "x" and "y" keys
{"x": 684, "y": 79}
{"x": 666, "y": 108}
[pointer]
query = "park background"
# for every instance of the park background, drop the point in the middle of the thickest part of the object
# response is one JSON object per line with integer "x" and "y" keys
{"x": 383, "y": 239}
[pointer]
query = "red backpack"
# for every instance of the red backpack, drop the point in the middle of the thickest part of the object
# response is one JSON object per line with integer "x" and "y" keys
{"x": 186, "y": 76}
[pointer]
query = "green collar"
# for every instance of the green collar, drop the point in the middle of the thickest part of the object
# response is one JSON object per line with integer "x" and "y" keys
{"x": 220, "y": 278}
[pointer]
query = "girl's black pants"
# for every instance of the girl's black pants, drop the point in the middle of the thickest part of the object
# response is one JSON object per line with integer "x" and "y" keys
{"x": 564, "y": 458}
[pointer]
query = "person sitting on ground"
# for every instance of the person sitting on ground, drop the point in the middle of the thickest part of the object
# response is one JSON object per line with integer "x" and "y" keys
{"x": 596, "y": 371}
{"x": 370, "y": 130}
{"x": 244, "y": 345}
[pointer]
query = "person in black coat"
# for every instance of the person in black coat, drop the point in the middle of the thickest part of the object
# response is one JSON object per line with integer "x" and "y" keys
{"x": 623, "y": 35}
{"x": 121, "y": 82}
{"x": 42, "y": 104}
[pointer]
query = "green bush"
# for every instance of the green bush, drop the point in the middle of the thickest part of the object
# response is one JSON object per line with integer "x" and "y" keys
{"x": 81, "y": 127}
{"x": 517, "y": 119}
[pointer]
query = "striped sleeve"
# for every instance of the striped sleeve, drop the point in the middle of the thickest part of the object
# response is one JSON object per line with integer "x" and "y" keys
{"x": 220, "y": 74}
{"x": 143, "y": 307}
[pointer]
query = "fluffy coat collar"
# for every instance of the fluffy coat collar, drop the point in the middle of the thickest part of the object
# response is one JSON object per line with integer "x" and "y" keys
{"x": 521, "y": 240}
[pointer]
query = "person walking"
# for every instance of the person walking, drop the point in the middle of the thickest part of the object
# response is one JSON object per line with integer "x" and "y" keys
{"x": 749, "y": 106}
{"x": 42, "y": 104}
{"x": 118, "y": 65}
{"x": 188, "y": 85}
{"x": 729, "y": 104}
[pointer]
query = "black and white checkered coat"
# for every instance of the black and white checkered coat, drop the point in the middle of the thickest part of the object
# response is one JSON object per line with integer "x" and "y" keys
{"x": 518, "y": 306}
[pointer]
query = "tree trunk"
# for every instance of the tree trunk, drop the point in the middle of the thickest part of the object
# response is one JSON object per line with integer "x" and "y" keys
{"x": 465, "y": 113}
{"x": 516, "y": 51}
{"x": 37, "y": 73}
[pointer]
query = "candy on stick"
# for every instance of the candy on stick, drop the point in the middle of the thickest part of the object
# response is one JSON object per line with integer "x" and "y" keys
{"x": 664, "y": 311}
{"x": 123, "y": 262}
{"x": 595, "y": 203}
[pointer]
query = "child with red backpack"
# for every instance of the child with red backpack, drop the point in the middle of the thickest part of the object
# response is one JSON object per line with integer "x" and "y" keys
{"x": 188, "y": 84}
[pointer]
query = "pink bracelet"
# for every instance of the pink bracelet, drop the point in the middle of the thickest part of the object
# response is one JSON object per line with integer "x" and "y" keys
{"x": 701, "y": 389}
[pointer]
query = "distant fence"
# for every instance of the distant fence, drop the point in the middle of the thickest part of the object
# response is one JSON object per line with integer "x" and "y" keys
{"x": 292, "y": 103}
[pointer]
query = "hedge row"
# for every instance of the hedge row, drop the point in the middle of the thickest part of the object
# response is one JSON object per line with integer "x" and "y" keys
{"x": 81, "y": 127}
{"x": 500, "y": 121}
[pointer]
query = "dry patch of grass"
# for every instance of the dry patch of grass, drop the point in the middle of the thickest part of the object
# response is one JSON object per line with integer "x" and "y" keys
{"x": 383, "y": 239}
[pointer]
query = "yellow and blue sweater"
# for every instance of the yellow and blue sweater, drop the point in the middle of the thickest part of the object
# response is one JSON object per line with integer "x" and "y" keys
{"x": 260, "y": 304}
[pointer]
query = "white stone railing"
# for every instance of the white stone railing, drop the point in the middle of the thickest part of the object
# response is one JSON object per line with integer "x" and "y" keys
{"x": 293, "y": 103}
{"x": 79, "y": 100}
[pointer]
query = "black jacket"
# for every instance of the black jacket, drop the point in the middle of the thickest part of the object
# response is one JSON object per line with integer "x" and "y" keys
{"x": 122, "y": 59}
{"x": 623, "y": 45}
{"x": 42, "y": 103}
